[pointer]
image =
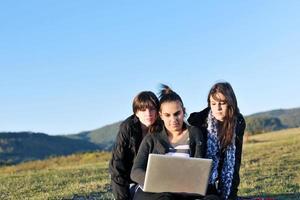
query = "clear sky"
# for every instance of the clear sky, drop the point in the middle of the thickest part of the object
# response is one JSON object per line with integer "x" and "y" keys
{"x": 70, "y": 66}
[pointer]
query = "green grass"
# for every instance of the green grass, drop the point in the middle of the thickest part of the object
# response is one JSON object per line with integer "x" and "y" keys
{"x": 271, "y": 165}
{"x": 57, "y": 178}
{"x": 270, "y": 168}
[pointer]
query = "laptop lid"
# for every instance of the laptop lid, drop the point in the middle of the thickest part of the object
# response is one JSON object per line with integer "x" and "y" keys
{"x": 167, "y": 173}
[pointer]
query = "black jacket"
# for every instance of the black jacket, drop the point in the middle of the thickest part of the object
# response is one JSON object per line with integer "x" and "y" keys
{"x": 158, "y": 143}
{"x": 199, "y": 119}
{"x": 124, "y": 152}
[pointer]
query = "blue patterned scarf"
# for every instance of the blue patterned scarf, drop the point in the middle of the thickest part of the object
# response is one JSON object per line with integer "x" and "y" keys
{"x": 214, "y": 152}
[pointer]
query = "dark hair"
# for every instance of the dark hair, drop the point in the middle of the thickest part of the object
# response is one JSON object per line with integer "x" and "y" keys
{"x": 228, "y": 125}
{"x": 168, "y": 95}
{"x": 144, "y": 100}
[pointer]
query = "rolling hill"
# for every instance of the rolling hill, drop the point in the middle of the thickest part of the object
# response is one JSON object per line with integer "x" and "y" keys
{"x": 24, "y": 146}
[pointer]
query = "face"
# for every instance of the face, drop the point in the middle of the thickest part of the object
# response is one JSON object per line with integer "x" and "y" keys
{"x": 147, "y": 116}
{"x": 172, "y": 115}
{"x": 218, "y": 106}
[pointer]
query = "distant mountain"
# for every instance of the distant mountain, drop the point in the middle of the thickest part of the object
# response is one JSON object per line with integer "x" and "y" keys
{"x": 104, "y": 137}
{"x": 273, "y": 120}
{"x": 24, "y": 146}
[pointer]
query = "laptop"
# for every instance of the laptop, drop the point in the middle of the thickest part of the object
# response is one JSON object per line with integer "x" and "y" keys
{"x": 176, "y": 174}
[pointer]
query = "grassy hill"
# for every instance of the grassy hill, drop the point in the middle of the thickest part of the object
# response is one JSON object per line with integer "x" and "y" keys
{"x": 57, "y": 178}
{"x": 270, "y": 167}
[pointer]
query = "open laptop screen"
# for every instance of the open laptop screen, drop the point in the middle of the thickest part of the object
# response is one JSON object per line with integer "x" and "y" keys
{"x": 167, "y": 173}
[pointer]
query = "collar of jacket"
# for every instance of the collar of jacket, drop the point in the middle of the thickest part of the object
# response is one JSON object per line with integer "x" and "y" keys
{"x": 164, "y": 144}
{"x": 136, "y": 124}
{"x": 199, "y": 119}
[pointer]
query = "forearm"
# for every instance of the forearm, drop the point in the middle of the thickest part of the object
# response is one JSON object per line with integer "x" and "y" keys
{"x": 138, "y": 170}
{"x": 138, "y": 176}
{"x": 120, "y": 191}
{"x": 119, "y": 171}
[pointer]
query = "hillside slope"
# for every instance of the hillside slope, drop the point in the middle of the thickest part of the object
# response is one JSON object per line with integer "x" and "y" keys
{"x": 270, "y": 165}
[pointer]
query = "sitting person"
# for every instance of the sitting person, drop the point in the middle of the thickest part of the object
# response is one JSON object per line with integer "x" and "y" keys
{"x": 131, "y": 132}
{"x": 175, "y": 138}
{"x": 223, "y": 127}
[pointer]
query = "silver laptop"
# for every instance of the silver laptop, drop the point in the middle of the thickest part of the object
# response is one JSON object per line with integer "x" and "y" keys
{"x": 167, "y": 173}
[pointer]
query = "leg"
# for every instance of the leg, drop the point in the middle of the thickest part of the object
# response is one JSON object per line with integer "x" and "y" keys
{"x": 140, "y": 195}
{"x": 132, "y": 189}
{"x": 211, "y": 197}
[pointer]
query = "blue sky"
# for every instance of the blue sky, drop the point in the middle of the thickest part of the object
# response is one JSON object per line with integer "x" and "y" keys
{"x": 70, "y": 66}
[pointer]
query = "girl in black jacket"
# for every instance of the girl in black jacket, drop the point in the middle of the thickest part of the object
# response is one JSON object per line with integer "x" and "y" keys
{"x": 131, "y": 132}
{"x": 177, "y": 138}
{"x": 223, "y": 127}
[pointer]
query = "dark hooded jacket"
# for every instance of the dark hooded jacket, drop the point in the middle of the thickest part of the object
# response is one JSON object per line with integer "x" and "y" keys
{"x": 124, "y": 152}
{"x": 199, "y": 119}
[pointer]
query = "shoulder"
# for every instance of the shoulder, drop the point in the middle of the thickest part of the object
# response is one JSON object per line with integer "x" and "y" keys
{"x": 198, "y": 118}
{"x": 130, "y": 127}
{"x": 149, "y": 136}
{"x": 240, "y": 124}
{"x": 193, "y": 129}
{"x": 156, "y": 137}
{"x": 241, "y": 121}
{"x": 195, "y": 132}
{"x": 129, "y": 122}
{"x": 150, "y": 139}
